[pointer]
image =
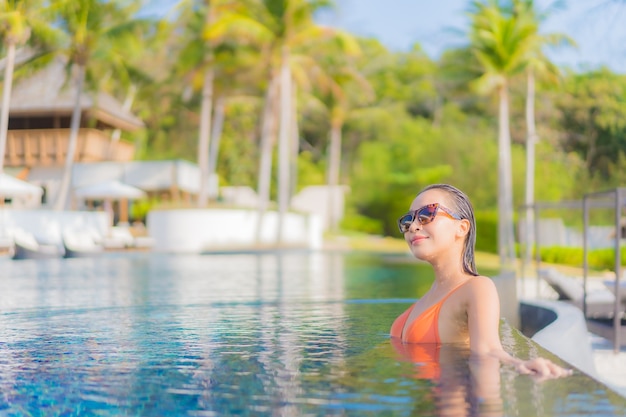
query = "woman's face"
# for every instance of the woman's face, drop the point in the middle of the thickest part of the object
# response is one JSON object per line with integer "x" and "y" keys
{"x": 426, "y": 241}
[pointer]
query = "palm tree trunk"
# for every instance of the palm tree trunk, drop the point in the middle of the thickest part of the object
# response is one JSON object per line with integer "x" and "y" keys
{"x": 284, "y": 133}
{"x": 506, "y": 244}
{"x": 333, "y": 171}
{"x": 66, "y": 182}
{"x": 266, "y": 145}
{"x": 531, "y": 140}
{"x": 205, "y": 130}
{"x": 295, "y": 142}
{"x": 6, "y": 101}
{"x": 206, "y": 113}
{"x": 216, "y": 137}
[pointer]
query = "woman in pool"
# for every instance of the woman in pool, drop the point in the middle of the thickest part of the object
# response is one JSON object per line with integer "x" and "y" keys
{"x": 461, "y": 306}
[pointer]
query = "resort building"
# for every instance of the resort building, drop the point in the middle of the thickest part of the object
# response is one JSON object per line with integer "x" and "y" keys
{"x": 39, "y": 128}
{"x": 40, "y": 115}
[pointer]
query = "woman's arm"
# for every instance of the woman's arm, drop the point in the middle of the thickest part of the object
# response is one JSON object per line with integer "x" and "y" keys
{"x": 483, "y": 318}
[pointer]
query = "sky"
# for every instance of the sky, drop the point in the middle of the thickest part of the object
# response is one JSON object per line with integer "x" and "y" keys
{"x": 597, "y": 26}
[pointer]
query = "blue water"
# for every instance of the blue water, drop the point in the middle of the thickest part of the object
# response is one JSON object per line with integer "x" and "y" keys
{"x": 292, "y": 334}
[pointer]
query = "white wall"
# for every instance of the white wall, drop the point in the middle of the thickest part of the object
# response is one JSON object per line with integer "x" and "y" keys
{"x": 187, "y": 176}
{"x": 554, "y": 232}
{"x": 322, "y": 200}
{"x": 198, "y": 230}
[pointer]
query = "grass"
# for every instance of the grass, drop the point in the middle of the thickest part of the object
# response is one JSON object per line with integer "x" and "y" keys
{"x": 351, "y": 241}
{"x": 386, "y": 244}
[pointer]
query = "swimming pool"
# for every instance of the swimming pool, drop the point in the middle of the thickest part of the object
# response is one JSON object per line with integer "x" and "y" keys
{"x": 287, "y": 334}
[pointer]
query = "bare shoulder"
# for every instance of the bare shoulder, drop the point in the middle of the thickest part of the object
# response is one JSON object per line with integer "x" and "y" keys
{"x": 481, "y": 286}
{"x": 480, "y": 297}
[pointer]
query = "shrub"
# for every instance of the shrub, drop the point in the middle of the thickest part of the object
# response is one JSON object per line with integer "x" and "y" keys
{"x": 359, "y": 223}
{"x": 600, "y": 259}
{"x": 487, "y": 231}
{"x": 562, "y": 255}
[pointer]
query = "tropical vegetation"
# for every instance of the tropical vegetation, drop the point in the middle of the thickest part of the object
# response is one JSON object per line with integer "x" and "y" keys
{"x": 259, "y": 94}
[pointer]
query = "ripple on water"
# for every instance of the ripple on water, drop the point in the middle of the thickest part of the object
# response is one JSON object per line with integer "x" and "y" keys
{"x": 166, "y": 335}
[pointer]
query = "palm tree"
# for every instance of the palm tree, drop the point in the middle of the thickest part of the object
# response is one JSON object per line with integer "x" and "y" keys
{"x": 341, "y": 87}
{"x": 18, "y": 19}
{"x": 197, "y": 58}
{"x": 501, "y": 43}
{"x": 15, "y": 31}
{"x": 129, "y": 76}
{"x": 538, "y": 64}
{"x": 247, "y": 24}
{"x": 90, "y": 26}
{"x": 211, "y": 25}
{"x": 287, "y": 27}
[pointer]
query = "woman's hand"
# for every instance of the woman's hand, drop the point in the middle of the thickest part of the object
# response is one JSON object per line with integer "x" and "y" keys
{"x": 542, "y": 368}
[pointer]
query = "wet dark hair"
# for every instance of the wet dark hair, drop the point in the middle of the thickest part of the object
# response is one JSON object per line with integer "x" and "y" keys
{"x": 460, "y": 203}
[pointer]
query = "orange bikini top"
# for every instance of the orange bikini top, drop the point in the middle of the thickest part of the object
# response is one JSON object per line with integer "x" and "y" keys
{"x": 425, "y": 327}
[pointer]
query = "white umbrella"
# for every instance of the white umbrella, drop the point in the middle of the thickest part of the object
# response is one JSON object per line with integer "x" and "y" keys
{"x": 109, "y": 190}
{"x": 13, "y": 187}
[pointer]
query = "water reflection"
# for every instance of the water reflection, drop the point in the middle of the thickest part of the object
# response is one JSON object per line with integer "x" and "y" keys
{"x": 275, "y": 335}
{"x": 463, "y": 385}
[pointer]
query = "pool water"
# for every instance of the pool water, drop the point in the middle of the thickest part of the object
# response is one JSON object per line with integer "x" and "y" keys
{"x": 286, "y": 334}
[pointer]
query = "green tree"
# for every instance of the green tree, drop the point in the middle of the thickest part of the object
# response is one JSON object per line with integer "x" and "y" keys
{"x": 593, "y": 117}
{"x": 18, "y": 20}
{"x": 90, "y": 25}
{"x": 538, "y": 64}
{"x": 408, "y": 77}
{"x": 124, "y": 73}
{"x": 456, "y": 70}
{"x": 341, "y": 87}
{"x": 285, "y": 27}
{"x": 206, "y": 24}
{"x": 501, "y": 43}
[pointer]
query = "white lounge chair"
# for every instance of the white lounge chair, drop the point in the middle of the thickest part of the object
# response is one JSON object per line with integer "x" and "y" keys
{"x": 610, "y": 285}
{"x": 28, "y": 247}
{"x": 81, "y": 244}
{"x": 600, "y": 301}
{"x": 118, "y": 238}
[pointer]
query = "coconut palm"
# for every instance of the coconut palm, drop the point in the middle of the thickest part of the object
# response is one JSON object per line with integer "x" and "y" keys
{"x": 501, "y": 43}
{"x": 18, "y": 20}
{"x": 209, "y": 25}
{"x": 15, "y": 30}
{"x": 287, "y": 28}
{"x": 341, "y": 87}
{"x": 280, "y": 29}
{"x": 90, "y": 26}
{"x": 538, "y": 65}
{"x": 128, "y": 76}
{"x": 197, "y": 59}
{"x": 236, "y": 83}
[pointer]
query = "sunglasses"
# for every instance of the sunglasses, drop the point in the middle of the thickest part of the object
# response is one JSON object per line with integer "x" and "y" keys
{"x": 424, "y": 216}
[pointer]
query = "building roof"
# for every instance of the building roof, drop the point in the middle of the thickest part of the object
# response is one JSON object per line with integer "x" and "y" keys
{"x": 47, "y": 93}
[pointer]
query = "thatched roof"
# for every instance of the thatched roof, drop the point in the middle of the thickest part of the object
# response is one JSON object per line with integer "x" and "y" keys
{"x": 47, "y": 93}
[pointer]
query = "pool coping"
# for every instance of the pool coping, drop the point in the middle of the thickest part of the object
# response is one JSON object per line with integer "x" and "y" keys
{"x": 561, "y": 329}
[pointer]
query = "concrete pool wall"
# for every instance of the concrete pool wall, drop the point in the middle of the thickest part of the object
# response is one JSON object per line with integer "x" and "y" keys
{"x": 554, "y": 325}
{"x": 559, "y": 328}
